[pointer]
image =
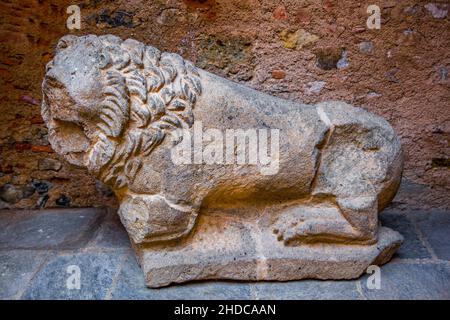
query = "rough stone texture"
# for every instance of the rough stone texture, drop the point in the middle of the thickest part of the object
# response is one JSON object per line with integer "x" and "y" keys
{"x": 257, "y": 256}
{"x": 404, "y": 79}
{"x": 113, "y": 106}
{"x": 49, "y": 164}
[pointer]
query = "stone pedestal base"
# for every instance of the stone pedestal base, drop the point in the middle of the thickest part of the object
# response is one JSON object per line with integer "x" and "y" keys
{"x": 237, "y": 250}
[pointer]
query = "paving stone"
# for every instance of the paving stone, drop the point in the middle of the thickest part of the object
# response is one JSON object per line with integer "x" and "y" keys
{"x": 16, "y": 269}
{"x": 97, "y": 270}
{"x": 99, "y": 265}
{"x": 412, "y": 247}
{"x": 111, "y": 233}
{"x": 131, "y": 285}
{"x": 435, "y": 226}
{"x": 306, "y": 289}
{"x": 64, "y": 229}
{"x": 7, "y": 217}
{"x": 411, "y": 281}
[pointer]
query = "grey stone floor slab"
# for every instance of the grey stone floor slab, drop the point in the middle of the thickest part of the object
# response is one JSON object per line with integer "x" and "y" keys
{"x": 50, "y": 229}
{"x": 412, "y": 281}
{"x": 96, "y": 242}
{"x": 306, "y": 290}
{"x": 17, "y": 267}
{"x": 96, "y": 269}
{"x": 412, "y": 247}
{"x": 435, "y": 226}
{"x": 131, "y": 285}
{"x": 111, "y": 233}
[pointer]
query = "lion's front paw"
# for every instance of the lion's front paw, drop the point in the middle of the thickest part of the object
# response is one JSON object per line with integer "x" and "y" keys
{"x": 152, "y": 218}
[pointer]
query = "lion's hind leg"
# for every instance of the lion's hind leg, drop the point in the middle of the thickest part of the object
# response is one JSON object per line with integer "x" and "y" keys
{"x": 357, "y": 165}
{"x": 152, "y": 218}
{"x": 350, "y": 220}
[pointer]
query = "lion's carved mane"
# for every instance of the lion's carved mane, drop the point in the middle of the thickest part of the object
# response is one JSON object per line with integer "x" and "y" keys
{"x": 146, "y": 94}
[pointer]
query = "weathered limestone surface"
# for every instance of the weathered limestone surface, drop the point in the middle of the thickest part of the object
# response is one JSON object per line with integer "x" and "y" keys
{"x": 116, "y": 107}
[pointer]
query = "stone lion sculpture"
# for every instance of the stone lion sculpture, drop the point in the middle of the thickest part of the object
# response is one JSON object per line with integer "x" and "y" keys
{"x": 114, "y": 106}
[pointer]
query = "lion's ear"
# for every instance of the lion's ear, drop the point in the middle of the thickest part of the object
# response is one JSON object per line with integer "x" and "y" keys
{"x": 65, "y": 42}
{"x": 104, "y": 59}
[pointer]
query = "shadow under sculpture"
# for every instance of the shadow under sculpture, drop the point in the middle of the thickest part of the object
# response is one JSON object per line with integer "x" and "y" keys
{"x": 116, "y": 108}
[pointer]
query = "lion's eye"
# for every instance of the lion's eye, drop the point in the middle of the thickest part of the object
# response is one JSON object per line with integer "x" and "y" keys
{"x": 62, "y": 44}
{"x": 104, "y": 60}
{"x": 65, "y": 42}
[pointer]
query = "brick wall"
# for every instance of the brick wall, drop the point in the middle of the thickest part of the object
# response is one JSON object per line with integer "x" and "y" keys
{"x": 300, "y": 50}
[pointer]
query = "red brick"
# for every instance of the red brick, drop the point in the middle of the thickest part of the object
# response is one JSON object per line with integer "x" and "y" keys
{"x": 42, "y": 149}
{"x": 328, "y": 5}
{"x": 278, "y": 74}
{"x": 302, "y": 17}
{"x": 22, "y": 146}
{"x": 280, "y": 13}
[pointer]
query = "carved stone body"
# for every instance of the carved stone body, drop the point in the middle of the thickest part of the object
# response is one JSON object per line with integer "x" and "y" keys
{"x": 112, "y": 106}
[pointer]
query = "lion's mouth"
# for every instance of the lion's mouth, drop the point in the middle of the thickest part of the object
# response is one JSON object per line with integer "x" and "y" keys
{"x": 66, "y": 135}
{"x": 69, "y": 139}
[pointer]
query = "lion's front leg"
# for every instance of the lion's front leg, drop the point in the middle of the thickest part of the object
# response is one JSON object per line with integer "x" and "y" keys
{"x": 152, "y": 218}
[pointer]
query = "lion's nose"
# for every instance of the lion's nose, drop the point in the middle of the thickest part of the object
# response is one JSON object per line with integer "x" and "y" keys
{"x": 48, "y": 66}
{"x": 51, "y": 80}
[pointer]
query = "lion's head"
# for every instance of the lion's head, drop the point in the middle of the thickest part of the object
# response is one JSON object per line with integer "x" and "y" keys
{"x": 108, "y": 102}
